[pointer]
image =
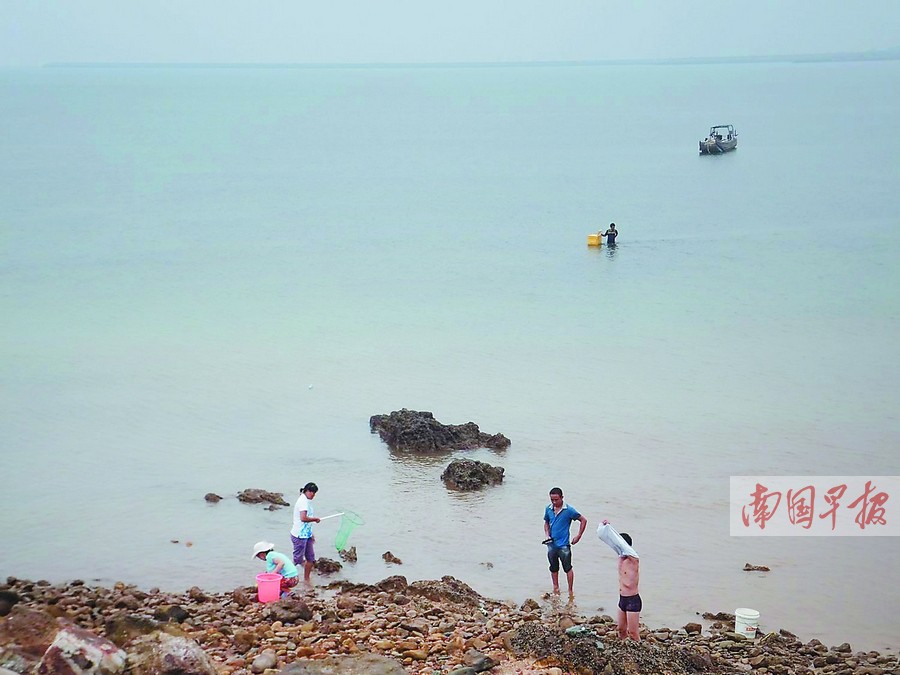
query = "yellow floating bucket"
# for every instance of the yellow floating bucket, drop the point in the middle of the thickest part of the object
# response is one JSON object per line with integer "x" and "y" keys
{"x": 595, "y": 240}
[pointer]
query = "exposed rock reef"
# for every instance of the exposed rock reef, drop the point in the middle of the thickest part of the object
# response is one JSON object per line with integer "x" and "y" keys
{"x": 388, "y": 628}
{"x": 259, "y": 496}
{"x": 413, "y": 431}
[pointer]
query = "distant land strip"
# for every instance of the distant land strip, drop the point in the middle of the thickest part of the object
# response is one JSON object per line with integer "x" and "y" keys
{"x": 880, "y": 55}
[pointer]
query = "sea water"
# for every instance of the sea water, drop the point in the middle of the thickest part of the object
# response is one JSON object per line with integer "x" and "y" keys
{"x": 213, "y": 277}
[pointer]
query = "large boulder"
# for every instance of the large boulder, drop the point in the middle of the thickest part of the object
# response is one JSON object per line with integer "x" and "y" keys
{"x": 470, "y": 474}
{"x": 27, "y": 632}
{"x": 76, "y": 651}
{"x": 163, "y": 654}
{"x": 414, "y": 431}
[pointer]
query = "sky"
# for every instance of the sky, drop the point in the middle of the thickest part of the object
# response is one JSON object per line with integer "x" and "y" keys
{"x": 38, "y": 32}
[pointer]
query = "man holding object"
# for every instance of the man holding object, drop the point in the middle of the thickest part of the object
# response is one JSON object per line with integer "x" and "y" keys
{"x": 558, "y": 517}
{"x": 630, "y": 604}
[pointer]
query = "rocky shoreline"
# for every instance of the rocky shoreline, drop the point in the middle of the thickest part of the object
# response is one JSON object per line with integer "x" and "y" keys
{"x": 393, "y": 626}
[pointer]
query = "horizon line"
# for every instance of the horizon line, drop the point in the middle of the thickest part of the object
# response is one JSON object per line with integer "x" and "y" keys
{"x": 872, "y": 55}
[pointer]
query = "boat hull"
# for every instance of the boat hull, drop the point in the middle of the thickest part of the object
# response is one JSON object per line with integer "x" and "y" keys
{"x": 717, "y": 147}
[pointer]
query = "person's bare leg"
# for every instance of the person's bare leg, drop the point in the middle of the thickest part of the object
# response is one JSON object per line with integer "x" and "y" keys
{"x": 634, "y": 625}
{"x": 307, "y": 570}
{"x": 554, "y": 577}
{"x": 570, "y": 577}
{"x": 623, "y": 625}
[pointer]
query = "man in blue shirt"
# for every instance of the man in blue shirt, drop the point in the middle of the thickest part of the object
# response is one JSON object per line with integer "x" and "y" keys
{"x": 558, "y": 517}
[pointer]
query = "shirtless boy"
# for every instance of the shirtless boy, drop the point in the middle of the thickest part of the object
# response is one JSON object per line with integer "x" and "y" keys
{"x": 629, "y": 598}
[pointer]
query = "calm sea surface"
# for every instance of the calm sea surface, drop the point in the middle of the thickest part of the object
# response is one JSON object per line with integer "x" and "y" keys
{"x": 212, "y": 278}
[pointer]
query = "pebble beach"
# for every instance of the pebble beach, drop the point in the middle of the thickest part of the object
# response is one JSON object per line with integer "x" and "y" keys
{"x": 394, "y": 626}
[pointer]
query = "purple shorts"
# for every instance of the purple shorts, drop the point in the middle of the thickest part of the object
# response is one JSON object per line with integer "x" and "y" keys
{"x": 303, "y": 550}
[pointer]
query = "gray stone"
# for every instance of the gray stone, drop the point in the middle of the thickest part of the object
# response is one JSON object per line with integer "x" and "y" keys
{"x": 289, "y": 610}
{"x": 264, "y": 661}
{"x": 356, "y": 664}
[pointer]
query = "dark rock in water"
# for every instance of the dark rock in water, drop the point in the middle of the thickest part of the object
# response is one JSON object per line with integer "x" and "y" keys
{"x": 327, "y": 566}
{"x": 413, "y": 431}
{"x": 391, "y": 558}
{"x": 755, "y": 568}
{"x": 257, "y": 496}
{"x": 348, "y": 554}
{"x": 719, "y": 616}
{"x": 470, "y": 474}
{"x": 212, "y": 497}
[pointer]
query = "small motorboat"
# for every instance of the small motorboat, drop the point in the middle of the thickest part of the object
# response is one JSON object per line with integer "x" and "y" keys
{"x": 722, "y": 138}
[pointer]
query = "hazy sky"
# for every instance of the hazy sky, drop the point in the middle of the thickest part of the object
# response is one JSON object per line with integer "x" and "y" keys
{"x": 35, "y": 32}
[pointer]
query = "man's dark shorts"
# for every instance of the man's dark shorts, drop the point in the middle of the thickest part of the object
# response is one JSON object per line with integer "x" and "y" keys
{"x": 558, "y": 556}
{"x": 630, "y": 603}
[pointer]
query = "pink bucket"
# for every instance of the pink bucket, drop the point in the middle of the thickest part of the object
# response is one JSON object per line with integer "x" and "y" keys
{"x": 268, "y": 587}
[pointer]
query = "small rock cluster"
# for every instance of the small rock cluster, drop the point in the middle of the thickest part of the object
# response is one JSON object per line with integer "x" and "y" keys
{"x": 470, "y": 474}
{"x": 389, "y": 628}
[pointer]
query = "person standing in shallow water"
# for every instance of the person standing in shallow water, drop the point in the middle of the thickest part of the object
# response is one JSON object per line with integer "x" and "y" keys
{"x": 611, "y": 235}
{"x": 558, "y": 517}
{"x": 301, "y": 531}
{"x": 630, "y": 604}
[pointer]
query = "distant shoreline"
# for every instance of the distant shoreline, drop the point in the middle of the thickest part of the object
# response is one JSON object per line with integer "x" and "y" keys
{"x": 886, "y": 55}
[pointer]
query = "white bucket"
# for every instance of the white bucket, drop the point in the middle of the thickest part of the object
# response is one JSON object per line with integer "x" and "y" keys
{"x": 746, "y": 621}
